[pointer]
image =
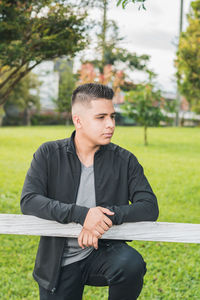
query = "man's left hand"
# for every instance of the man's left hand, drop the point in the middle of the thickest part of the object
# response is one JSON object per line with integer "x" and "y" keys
{"x": 87, "y": 239}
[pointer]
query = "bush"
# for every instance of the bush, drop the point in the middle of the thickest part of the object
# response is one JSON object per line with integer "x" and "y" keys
{"x": 44, "y": 118}
{"x": 48, "y": 119}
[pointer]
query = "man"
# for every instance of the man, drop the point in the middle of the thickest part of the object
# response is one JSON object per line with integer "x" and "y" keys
{"x": 88, "y": 180}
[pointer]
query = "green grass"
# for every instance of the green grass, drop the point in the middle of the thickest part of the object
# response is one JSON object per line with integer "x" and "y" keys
{"x": 171, "y": 163}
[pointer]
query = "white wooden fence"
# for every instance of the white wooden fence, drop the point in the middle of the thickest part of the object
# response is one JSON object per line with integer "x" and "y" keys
{"x": 145, "y": 231}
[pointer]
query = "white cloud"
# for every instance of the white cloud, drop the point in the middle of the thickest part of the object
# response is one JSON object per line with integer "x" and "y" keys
{"x": 152, "y": 38}
{"x": 153, "y": 31}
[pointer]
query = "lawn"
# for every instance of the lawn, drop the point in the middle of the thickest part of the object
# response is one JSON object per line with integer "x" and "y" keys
{"x": 172, "y": 165}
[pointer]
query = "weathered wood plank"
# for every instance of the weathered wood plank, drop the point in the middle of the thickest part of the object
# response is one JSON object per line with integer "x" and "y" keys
{"x": 145, "y": 231}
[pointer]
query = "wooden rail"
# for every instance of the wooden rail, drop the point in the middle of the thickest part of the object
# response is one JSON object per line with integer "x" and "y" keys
{"x": 145, "y": 231}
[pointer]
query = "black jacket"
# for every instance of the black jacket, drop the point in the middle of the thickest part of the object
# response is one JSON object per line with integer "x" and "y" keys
{"x": 51, "y": 186}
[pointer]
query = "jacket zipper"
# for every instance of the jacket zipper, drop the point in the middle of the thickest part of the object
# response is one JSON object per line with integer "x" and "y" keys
{"x": 54, "y": 288}
{"x": 95, "y": 182}
{"x": 58, "y": 273}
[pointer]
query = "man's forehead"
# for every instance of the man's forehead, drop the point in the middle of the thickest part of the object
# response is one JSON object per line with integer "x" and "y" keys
{"x": 100, "y": 99}
{"x": 101, "y": 102}
{"x": 102, "y": 106}
{"x": 95, "y": 106}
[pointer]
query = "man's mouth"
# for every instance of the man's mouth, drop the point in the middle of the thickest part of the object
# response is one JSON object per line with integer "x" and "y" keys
{"x": 108, "y": 134}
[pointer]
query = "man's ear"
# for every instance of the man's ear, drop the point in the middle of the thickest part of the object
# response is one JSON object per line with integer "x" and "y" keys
{"x": 77, "y": 121}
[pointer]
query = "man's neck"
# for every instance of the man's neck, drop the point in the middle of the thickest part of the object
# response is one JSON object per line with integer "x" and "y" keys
{"x": 84, "y": 149}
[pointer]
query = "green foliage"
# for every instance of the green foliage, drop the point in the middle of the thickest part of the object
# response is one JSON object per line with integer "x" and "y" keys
{"x": 34, "y": 31}
{"x": 67, "y": 81}
{"x": 48, "y": 119}
{"x": 2, "y": 113}
{"x": 172, "y": 268}
{"x": 108, "y": 51}
{"x": 25, "y": 96}
{"x": 121, "y": 55}
{"x": 188, "y": 62}
{"x": 124, "y": 3}
{"x": 144, "y": 105}
{"x": 114, "y": 55}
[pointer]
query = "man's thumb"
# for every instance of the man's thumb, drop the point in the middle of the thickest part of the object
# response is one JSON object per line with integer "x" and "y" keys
{"x": 106, "y": 211}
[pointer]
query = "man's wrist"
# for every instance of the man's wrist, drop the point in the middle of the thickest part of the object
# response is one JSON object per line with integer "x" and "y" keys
{"x": 80, "y": 213}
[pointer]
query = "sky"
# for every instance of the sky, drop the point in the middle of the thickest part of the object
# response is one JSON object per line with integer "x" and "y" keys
{"x": 153, "y": 31}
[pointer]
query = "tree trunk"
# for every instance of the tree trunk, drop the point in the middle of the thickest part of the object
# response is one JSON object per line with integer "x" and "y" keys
{"x": 145, "y": 136}
{"x": 182, "y": 121}
{"x": 27, "y": 117}
{"x": 12, "y": 84}
{"x": 67, "y": 122}
{"x": 104, "y": 29}
{"x": 2, "y": 113}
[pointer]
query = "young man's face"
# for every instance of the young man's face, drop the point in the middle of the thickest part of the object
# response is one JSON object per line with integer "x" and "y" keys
{"x": 97, "y": 121}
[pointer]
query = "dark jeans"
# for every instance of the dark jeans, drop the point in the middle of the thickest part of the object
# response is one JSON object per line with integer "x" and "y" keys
{"x": 115, "y": 264}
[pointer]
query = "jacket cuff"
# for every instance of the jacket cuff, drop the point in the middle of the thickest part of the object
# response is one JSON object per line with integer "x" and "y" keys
{"x": 117, "y": 218}
{"x": 79, "y": 214}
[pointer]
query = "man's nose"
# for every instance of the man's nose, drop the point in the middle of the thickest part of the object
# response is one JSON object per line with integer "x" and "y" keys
{"x": 110, "y": 123}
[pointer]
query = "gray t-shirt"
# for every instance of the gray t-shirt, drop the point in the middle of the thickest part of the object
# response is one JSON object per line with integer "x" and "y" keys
{"x": 85, "y": 197}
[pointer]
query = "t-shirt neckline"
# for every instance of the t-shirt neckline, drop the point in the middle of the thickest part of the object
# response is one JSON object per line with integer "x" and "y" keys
{"x": 89, "y": 167}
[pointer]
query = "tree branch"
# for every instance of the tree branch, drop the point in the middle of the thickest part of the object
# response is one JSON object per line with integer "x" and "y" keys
{"x": 11, "y": 75}
{"x": 10, "y": 88}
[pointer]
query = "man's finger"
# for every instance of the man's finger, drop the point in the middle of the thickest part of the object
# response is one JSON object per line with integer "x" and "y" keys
{"x": 106, "y": 210}
{"x": 107, "y": 221}
{"x": 104, "y": 226}
{"x": 95, "y": 242}
{"x": 100, "y": 229}
{"x": 96, "y": 234}
{"x": 85, "y": 238}
{"x": 80, "y": 240}
{"x": 90, "y": 240}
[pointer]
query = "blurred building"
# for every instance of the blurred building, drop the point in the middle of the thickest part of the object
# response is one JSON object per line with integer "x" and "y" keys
{"x": 49, "y": 87}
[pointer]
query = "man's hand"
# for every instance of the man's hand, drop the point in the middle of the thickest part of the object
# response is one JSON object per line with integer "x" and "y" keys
{"x": 87, "y": 239}
{"x": 95, "y": 224}
{"x": 96, "y": 221}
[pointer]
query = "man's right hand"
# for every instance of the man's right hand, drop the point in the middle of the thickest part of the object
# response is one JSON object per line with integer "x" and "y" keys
{"x": 87, "y": 239}
{"x": 96, "y": 220}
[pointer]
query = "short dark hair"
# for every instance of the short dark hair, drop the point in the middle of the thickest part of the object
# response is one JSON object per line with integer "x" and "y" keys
{"x": 86, "y": 92}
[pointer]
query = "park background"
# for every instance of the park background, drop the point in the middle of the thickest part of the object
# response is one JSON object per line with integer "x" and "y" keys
{"x": 164, "y": 107}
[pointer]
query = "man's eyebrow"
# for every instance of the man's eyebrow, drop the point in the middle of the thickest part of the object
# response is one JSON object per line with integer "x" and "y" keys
{"x": 104, "y": 114}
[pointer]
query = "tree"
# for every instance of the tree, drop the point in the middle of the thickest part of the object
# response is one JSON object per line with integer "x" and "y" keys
{"x": 124, "y": 3}
{"x": 108, "y": 42}
{"x": 88, "y": 74}
{"x": 67, "y": 81}
{"x": 145, "y": 105}
{"x": 34, "y": 31}
{"x": 107, "y": 50}
{"x": 112, "y": 53}
{"x": 25, "y": 96}
{"x": 188, "y": 62}
{"x": 110, "y": 60}
{"x": 2, "y": 113}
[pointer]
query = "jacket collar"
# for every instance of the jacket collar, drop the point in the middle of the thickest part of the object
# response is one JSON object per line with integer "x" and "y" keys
{"x": 71, "y": 146}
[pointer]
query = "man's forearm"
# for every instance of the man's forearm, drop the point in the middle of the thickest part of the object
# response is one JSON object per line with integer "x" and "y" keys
{"x": 140, "y": 211}
{"x": 50, "y": 209}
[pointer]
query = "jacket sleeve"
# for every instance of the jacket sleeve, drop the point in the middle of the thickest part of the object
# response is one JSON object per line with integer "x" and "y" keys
{"x": 144, "y": 206}
{"x": 34, "y": 197}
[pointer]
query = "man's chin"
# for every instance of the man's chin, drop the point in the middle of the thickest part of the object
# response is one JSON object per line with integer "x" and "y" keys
{"x": 106, "y": 141}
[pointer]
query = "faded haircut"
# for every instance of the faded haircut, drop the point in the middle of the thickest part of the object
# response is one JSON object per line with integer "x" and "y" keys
{"x": 85, "y": 93}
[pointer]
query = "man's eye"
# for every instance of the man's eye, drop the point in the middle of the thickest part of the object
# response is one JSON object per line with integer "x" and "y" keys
{"x": 113, "y": 117}
{"x": 100, "y": 117}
